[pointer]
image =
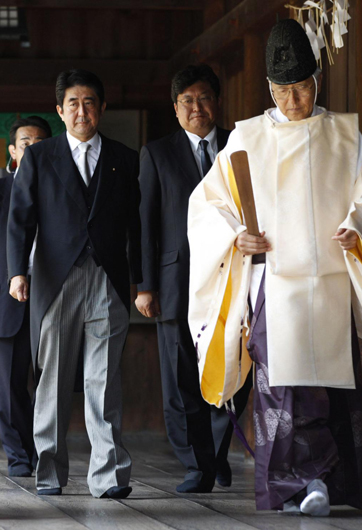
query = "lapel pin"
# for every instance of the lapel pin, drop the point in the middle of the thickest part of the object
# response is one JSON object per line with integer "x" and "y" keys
{"x": 113, "y": 169}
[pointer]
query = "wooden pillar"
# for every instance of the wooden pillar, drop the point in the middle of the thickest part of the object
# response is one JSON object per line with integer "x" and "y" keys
{"x": 254, "y": 75}
{"x": 214, "y": 10}
{"x": 358, "y": 25}
{"x": 338, "y": 80}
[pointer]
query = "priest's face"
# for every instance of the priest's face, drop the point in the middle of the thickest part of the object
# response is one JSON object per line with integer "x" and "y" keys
{"x": 197, "y": 108}
{"x": 296, "y": 101}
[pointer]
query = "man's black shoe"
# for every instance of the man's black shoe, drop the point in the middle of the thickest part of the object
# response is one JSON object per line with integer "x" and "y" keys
{"x": 20, "y": 474}
{"x": 117, "y": 492}
{"x": 50, "y": 491}
{"x": 195, "y": 486}
{"x": 223, "y": 473}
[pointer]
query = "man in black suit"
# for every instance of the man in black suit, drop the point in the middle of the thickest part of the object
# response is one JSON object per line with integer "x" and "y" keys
{"x": 16, "y": 411}
{"x": 79, "y": 191}
{"x": 170, "y": 170}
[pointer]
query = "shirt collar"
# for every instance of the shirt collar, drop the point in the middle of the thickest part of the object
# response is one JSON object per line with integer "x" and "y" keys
{"x": 95, "y": 142}
{"x": 211, "y": 138}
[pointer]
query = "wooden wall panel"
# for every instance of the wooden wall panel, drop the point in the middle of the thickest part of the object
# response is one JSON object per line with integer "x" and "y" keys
{"x": 254, "y": 75}
{"x": 232, "y": 99}
{"x": 214, "y": 10}
{"x": 352, "y": 58}
{"x": 105, "y": 33}
{"x": 358, "y": 63}
{"x": 338, "y": 82}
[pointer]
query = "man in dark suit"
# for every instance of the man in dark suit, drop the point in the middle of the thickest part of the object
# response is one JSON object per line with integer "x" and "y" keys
{"x": 16, "y": 411}
{"x": 170, "y": 170}
{"x": 79, "y": 191}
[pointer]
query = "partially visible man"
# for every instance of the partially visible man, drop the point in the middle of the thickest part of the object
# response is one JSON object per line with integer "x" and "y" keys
{"x": 170, "y": 169}
{"x": 80, "y": 192}
{"x": 16, "y": 411}
{"x": 294, "y": 278}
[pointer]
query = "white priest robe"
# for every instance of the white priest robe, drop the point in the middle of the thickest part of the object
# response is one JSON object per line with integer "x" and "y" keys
{"x": 304, "y": 177}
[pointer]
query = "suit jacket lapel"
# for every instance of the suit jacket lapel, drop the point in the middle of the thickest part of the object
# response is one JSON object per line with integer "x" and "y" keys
{"x": 110, "y": 166}
{"x": 66, "y": 170}
{"x": 181, "y": 148}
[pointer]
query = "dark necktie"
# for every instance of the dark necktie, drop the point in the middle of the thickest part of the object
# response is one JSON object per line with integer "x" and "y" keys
{"x": 205, "y": 157}
{"x": 83, "y": 162}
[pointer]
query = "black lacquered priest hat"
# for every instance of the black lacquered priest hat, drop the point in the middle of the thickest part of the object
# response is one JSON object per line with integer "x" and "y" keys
{"x": 289, "y": 55}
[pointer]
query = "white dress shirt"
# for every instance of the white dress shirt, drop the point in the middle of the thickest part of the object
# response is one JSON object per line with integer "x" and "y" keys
{"x": 92, "y": 154}
{"x": 212, "y": 148}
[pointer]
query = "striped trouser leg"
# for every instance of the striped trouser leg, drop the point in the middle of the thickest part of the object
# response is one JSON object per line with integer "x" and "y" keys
{"x": 86, "y": 306}
{"x": 106, "y": 326}
{"x": 60, "y": 341}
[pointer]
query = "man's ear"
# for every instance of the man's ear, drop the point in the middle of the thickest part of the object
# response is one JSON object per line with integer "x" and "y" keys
{"x": 175, "y": 107}
{"x": 12, "y": 151}
{"x": 60, "y": 111}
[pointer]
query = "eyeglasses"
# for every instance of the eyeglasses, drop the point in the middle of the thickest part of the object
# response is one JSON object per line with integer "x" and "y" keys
{"x": 283, "y": 92}
{"x": 203, "y": 100}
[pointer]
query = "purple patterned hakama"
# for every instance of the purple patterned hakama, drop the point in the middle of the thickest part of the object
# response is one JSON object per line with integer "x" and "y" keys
{"x": 303, "y": 433}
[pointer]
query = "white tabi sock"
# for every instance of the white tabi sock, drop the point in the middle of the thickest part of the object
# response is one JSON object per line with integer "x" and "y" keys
{"x": 290, "y": 507}
{"x": 316, "y": 502}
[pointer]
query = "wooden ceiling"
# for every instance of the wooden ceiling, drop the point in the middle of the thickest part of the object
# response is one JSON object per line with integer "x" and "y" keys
{"x": 134, "y": 46}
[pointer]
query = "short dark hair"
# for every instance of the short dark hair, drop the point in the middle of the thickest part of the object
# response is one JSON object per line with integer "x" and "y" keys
{"x": 77, "y": 77}
{"x": 30, "y": 121}
{"x": 191, "y": 75}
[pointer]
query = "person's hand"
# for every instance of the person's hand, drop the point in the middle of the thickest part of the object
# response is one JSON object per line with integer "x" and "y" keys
{"x": 346, "y": 238}
{"x": 249, "y": 245}
{"x": 133, "y": 292}
{"x": 147, "y": 303}
{"x": 19, "y": 288}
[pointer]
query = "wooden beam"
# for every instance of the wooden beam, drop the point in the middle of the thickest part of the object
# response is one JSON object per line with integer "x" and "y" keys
{"x": 35, "y": 98}
{"x": 110, "y": 71}
{"x": 174, "y": 5}
{"x": 227, "y": 33}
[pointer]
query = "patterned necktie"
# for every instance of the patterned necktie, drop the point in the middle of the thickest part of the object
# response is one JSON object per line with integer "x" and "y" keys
{"x": 83, "y": 162}
{"x": 205, "y": 157}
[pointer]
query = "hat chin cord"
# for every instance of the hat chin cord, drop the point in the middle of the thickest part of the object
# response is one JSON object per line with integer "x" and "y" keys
{"x": 316, "y": 88}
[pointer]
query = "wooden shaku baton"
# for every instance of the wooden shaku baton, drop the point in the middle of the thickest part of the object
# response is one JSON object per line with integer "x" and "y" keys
{"x": 240, "y": 165}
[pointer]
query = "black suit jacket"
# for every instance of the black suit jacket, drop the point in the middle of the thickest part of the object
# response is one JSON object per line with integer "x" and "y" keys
{"x": 47, "y": 196}
{"x": 168, "y": 175}
{"x": 11, "y": 312}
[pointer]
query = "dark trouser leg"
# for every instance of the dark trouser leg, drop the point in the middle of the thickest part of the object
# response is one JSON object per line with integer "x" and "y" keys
{"x": 187, "y": 415}
{"x": 293, "y": 444}
{"x": 16, "y": 412}
{"x": 222, "y": 427}
{"x": 345, "y": 422}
